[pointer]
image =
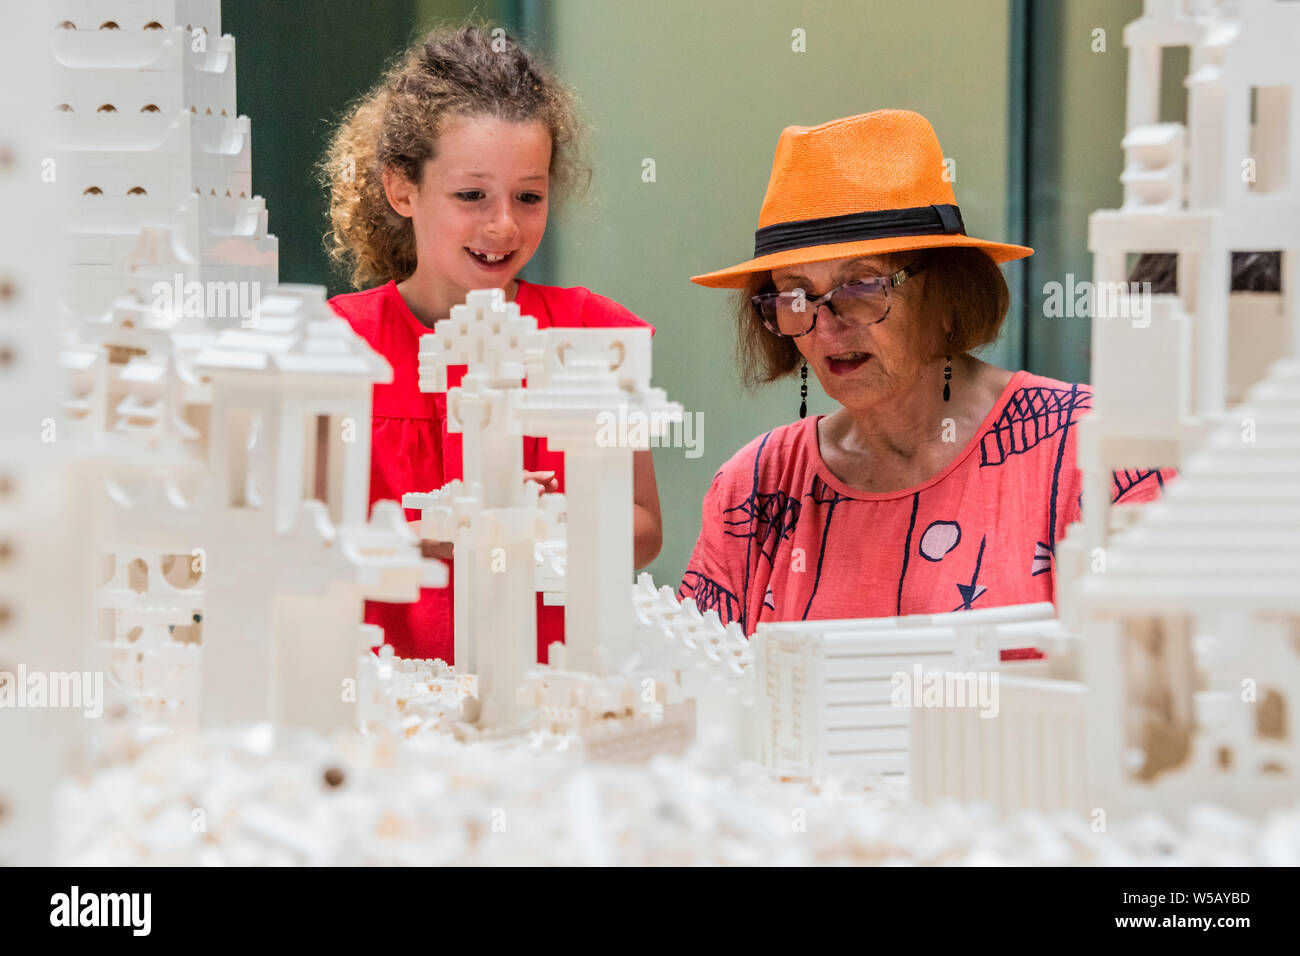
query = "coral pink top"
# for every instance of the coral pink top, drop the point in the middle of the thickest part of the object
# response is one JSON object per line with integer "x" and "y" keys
{"x": 783, "y": 539}
{"x": 411, "y": 449}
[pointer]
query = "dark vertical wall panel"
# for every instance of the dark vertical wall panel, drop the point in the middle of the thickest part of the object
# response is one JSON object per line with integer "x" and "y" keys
{"x": 299, "y": 65}
{"x": 1075, "y": 117}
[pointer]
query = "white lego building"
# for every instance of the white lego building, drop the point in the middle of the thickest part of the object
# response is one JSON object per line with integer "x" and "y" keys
{"x": 233, "y": 413}
{"x": 45, "y": 573}
{"x": 233, "y": 416}
{"x": 217, "y": 427}
{"x": 1183, "y": 680}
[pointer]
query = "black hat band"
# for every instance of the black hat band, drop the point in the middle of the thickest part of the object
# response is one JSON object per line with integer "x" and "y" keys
{"x": 856, "y": 226}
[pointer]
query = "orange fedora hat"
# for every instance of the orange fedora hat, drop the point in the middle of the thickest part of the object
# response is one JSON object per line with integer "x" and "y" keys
{"x": 859, "y": 186}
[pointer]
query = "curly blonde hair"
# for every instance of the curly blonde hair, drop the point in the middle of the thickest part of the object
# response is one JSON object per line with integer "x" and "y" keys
{"x": 451, "y": 72}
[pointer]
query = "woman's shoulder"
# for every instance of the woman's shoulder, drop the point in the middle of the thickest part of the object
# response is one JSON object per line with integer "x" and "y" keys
{"x": 575, "y": 307}
{"x": 1029, "y": 382}
{"x": 771, "y": 451}
{"x": 1034, "y": 396}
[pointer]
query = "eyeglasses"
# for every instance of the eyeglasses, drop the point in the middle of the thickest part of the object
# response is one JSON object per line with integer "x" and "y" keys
{"x": 864, "y": 302}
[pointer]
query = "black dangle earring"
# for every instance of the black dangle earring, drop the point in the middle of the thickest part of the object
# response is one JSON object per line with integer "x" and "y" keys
{"x": 947, "y": 373}
{"x": 803, "y": 390}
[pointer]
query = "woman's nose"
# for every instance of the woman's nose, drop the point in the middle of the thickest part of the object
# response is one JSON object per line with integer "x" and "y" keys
{"x": 826, "y": 319}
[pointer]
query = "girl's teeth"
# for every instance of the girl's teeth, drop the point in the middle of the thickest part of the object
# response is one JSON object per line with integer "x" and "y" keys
{"x": 489, "y": 257}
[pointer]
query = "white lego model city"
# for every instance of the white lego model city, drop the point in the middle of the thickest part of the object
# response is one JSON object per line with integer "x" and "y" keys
{"x": 185, "y": 511}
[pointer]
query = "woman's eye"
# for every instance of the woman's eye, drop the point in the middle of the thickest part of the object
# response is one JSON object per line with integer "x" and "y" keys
{"x": 470, "y": 195}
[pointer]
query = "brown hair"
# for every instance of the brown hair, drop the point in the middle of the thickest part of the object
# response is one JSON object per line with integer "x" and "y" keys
{"x": 451, "y": 72}
{"x": 962, "y": 283}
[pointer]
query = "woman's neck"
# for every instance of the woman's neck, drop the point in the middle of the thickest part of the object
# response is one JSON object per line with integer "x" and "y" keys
{"x": 917, "y": 425}
{"x": 430, "y": 297}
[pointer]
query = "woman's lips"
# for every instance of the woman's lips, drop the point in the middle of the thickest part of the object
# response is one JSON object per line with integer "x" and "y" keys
{"x": 846, "y": 366}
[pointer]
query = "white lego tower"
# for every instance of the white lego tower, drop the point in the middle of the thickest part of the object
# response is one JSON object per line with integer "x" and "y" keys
{"x": 235, "y": 412}
{"x": 1180, "y": 679}
{"x": 157, "y": 165}
{"x": 492, "y": 516}
{"x": 1189, "y": 637}
{"x": 1227, "y": 181}
{"x": 587, "y": 377}
{"x": 45, "y": 569}
{"x": 496, "y": 520}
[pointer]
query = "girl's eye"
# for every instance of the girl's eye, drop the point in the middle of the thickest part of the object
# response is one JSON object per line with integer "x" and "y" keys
{"x": 530, "y": 198}
{"x": 470, "y": 195}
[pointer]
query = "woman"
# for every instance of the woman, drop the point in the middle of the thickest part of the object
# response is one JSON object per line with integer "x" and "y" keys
{"x": 941, "y": 482}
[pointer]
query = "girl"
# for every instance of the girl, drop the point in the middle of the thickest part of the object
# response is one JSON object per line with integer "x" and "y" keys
{"x": 440, "y": 181}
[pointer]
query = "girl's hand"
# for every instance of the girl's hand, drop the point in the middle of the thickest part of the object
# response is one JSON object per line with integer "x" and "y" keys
{"x": 431, "y": 549}
{"x": 443, "y": 549}
{"x": 546, "y": 479}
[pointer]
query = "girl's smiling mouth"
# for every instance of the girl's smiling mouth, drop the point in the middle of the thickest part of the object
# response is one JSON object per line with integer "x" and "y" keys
{"x": 491, "y": 261}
